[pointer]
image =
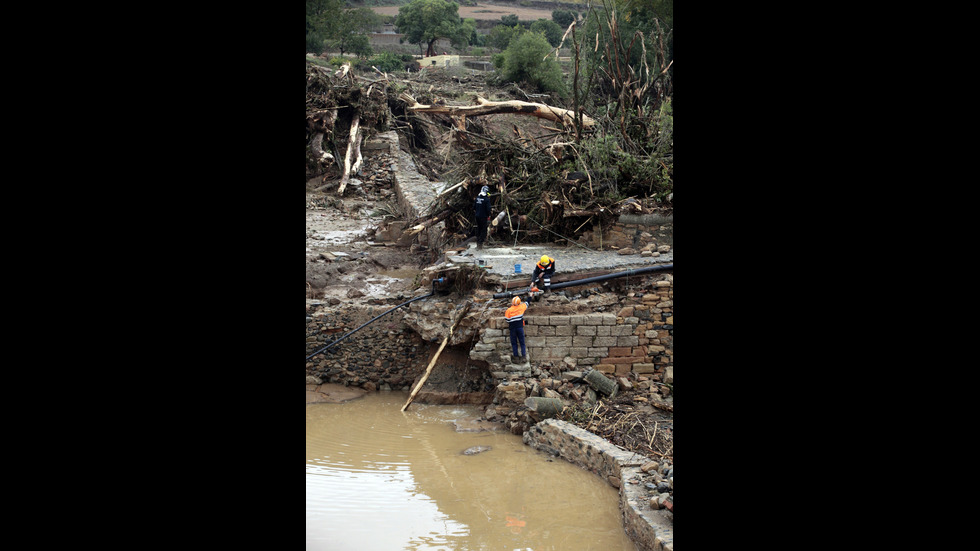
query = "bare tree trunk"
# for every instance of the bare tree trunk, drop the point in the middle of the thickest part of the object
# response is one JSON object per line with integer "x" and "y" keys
{"x": 432, "y": 363}
{"x": 354, "y": 143}
{"x": 487, "y": 107}
{"x": 317, "y": 148}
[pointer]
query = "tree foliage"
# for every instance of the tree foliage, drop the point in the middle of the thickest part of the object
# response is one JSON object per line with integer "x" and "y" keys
{"x": 500, "y": 36}
{"x": 426, "y": 21}
{"x": 526, "y": 60}
{"x": 563, "y": 18}
{"x": 510, "y": 20}
{"x": 328, "y": 24}
{"x": 551, "y": 31}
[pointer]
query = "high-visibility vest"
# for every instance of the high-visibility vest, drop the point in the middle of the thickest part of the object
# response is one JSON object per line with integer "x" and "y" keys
{"x": 515, "y": 314}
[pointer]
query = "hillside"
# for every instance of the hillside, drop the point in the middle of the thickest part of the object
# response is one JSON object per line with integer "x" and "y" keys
{"x": 490, "y": 11}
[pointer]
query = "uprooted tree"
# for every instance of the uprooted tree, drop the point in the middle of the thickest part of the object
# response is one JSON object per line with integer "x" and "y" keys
{"x": 571, "y": 172}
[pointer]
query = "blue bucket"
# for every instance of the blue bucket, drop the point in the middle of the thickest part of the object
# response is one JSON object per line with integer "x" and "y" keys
{"x": 517, "y": 268}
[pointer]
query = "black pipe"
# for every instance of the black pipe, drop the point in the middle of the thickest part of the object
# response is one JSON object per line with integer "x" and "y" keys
{"x": 369, "y": 322}
{"x": 638, "y": 271}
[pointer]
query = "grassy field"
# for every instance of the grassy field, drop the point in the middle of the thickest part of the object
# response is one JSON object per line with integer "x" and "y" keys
{"x": 485, "y": 11}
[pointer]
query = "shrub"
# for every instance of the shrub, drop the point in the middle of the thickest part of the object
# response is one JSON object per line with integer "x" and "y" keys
{"x": 387, "y": 62}
{"x": 527, "y": 60}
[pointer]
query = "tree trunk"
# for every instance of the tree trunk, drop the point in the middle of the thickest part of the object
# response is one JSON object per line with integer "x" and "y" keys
{"x": 352, "y": 145}
{"x": 317, "y": 148}
{"x": 487, "y": 107}
{"x": 432, "y": 363}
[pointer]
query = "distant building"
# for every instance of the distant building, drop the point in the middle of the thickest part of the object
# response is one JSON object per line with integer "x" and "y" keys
{"x": 442, "y": 61}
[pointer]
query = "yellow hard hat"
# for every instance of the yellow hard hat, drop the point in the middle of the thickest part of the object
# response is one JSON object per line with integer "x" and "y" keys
{"x": 545, "y": 260}
{"x": 516, "y": 301}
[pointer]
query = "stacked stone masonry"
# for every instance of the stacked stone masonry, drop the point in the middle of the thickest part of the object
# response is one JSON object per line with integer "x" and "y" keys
{"x": 636, "y": 339}
{"x": 651, "y": 530}
{"x": 647, "y": 231}
{"x": 382, "y": 356}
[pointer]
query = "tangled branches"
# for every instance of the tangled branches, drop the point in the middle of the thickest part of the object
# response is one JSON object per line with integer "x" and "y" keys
{"x": 632, "y": 429}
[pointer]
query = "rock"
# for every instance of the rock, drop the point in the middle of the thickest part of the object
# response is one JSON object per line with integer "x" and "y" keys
{"x": 614, "y": 481}
{"x": 548, "y": 393}
{"x": 655, "y": 502}
{"x": 475, "y": 450}
{"x": 311, "y": 380}
{"x": 510, "y": 392}
{"x": 651, "y": 466}
{"x": 626, "y": 251}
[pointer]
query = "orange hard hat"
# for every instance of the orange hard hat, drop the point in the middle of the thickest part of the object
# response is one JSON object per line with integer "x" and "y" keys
{"x": 516, "y": 301}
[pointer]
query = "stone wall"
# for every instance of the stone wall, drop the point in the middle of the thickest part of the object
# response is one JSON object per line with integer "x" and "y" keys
{"x": 394, "y": 39}
{"x": 385, "y": 355}
{"x": 641, "y": 232}
{"x": 651, "y": 530}
{"x": 638, "y": 338}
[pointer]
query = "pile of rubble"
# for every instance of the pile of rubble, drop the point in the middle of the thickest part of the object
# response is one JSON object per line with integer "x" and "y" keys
{"x": 576, "y": 396}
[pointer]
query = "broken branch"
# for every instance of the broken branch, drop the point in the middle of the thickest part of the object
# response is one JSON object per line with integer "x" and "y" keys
{"x": 487, "y": 107}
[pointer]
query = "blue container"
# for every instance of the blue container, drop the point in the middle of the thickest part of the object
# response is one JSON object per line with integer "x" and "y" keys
{"x": 517, "y": 268}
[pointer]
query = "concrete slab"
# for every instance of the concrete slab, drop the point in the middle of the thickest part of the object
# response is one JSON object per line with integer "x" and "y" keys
{"x": 568, "y": 259}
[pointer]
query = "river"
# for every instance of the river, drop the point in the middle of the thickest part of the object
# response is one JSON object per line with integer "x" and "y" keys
{"x": 381, "y": 479}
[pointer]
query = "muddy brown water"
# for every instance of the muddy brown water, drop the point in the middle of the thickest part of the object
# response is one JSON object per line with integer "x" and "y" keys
{"x": 378, "y": 478}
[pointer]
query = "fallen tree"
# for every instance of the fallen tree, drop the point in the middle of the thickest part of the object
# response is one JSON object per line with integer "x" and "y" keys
{"x": 487, "y": 107}
{"x": 340, "y": 114}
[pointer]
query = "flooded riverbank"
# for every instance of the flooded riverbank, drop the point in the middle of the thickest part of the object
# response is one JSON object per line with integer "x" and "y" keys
{"x": 379, "y": 478}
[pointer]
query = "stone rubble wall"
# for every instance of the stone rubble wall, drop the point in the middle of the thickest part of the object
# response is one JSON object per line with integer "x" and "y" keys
{"x": 637, "y": 339}
{"x": 651, "y": 530}
{"x": 385, "y": 355}
{"x": 415, "y": 193}
{"x": 646, "y": 234}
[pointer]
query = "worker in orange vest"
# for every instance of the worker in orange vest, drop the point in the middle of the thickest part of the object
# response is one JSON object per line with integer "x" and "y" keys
{"x": 515, "y": 319}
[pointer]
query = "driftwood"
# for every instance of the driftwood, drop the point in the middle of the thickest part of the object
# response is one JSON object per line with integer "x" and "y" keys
{"x": 317, "y": 147}
{"x": 464, "y": 182}
{"x": 425, "y": 224}
{"x": 353, "y": 145}
{"x": 487, "y": 107}
{"x": 432, "y": 363}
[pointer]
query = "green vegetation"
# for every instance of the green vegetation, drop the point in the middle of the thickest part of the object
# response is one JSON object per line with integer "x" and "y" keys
{"x": 551, "y": 31}
{"x": 330, "y": 26}
{"x": 563, "y": 18}
{"x": 526, "y": 60}
{"x": 426, "y": 21}
{"x": 616, "y": 66}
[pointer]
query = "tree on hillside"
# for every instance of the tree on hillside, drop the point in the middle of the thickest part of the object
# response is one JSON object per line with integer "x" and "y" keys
{"x": 563, "y": 18}
{"x": 328, "y": 24}
{"x": 426, "y": 21}
{"x": 500, "y": 36}
{"x": 320, "y": 22}
{"x": 510, "y": 20}
{"x": 549, "y": 29}
{"x": 351, "y": 28}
